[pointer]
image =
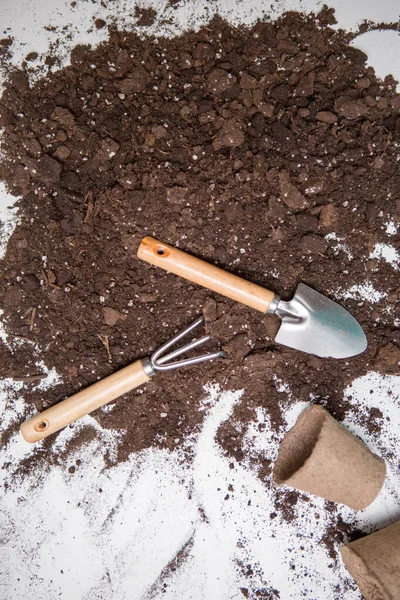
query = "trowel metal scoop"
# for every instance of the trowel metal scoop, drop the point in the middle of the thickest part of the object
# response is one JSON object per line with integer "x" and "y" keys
{"x": 310, "y": 321}
{"x": 315, "y": 324}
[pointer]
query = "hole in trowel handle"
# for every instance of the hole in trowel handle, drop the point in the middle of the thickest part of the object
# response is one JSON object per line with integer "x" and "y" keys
{"x": 41, "y": 425}
{"x": 161, "y": 251}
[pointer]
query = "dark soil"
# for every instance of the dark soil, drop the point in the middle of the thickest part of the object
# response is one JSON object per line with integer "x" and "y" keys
{"x": 244, "y": 147}
{"x": 339, "y": 532}
{"x": 146, "y": 16}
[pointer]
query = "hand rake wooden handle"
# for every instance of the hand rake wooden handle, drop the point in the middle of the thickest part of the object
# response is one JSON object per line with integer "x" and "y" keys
{"x": 200, "y": 272}
{"x": 58, "y": 416}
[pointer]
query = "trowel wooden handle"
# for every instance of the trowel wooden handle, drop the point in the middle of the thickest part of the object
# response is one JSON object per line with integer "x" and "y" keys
{"x": 211, "y": 277}
{"x": 84, "y": 402}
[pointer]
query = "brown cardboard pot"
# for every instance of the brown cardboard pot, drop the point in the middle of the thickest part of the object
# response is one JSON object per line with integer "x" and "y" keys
{"x": 374, "y": 563}
{"x": 320, "y": 456}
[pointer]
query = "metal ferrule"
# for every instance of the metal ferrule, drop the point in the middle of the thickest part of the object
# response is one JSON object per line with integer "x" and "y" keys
{"x": 148, "y": 367}
{"x": 274, "y": 305}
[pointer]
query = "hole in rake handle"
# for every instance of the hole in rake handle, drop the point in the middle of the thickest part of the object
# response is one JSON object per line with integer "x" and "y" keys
{"x": 41, "y": 426}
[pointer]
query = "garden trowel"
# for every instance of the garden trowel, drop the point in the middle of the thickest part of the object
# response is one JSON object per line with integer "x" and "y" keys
{"x": 311, "y": 322}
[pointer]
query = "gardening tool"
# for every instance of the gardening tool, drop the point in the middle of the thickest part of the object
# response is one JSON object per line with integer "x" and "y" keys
{"x": 310, "y": 321}
{"x": 114, "y": 386}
